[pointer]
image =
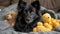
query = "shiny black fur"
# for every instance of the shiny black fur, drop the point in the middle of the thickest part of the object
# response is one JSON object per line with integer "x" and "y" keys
{"x": 27, "y": 17}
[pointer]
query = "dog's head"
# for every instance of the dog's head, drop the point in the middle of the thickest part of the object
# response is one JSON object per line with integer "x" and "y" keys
{"x": 29, "y": 12}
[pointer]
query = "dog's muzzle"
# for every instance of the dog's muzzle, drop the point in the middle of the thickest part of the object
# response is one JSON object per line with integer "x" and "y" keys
{"x": 29, "y": 20}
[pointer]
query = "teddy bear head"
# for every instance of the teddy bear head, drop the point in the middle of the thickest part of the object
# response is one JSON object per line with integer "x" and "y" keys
{"x": 46, "y": 17}
{"x": 11, "y": 15}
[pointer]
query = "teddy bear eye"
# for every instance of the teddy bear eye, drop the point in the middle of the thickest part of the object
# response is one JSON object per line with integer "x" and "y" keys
{"x": 48, "y": 17}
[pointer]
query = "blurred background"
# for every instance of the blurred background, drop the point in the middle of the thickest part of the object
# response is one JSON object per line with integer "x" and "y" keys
{"x": 49, "y": 4}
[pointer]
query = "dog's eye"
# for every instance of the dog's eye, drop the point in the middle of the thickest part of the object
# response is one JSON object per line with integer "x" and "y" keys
{"x": 25, "y": 11}
{"x": 30, "y": 11}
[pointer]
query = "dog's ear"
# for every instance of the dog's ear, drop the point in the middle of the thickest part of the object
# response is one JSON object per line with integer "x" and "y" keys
{"x": 36, "y": 4}
{"x": 21, "y": 4}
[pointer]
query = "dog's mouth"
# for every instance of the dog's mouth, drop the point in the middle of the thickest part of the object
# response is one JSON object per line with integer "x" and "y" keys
{"x": 29, "y": 20}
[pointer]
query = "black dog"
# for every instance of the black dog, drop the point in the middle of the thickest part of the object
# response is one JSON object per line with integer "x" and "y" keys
{"x": 27, "y": 17}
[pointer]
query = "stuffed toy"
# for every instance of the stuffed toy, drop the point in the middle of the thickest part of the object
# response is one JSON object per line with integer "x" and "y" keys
{"x": 48, "y": 19}
{"x": 48, "y": 27}
{"x": 48, "y": 24}
{"x": 42, "y": 27}
{"x": 58, "y": 21}
{"x": 10, "y": 17}
{"x": 39, "y": 27}
{"x": 55, "y": 22}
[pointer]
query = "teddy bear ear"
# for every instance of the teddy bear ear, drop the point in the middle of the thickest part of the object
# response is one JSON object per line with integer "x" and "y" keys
{"x": 36, "y": 4}
{"x": 21, "y": 4}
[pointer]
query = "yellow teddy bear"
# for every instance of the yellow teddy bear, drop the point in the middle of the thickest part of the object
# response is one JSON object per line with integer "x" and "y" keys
{"x": 48, "y": 27}
{"x": 48, "y": 19}
{"x": 39, "y": 27}
{"x": 42, "y": 27}
{"x": 58, "y": 21}
{"x": 49, "y": 23}
{"x": 45, "y": 26}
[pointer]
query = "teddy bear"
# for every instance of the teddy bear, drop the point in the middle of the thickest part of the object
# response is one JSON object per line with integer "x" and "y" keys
{"x": 39, "y": 27}
{"x": 58, "y": 21}
{"x": 42, "y": 27}
{"x": 10, "y": 17}
{"x": 55, "y": 22}
{"x": 48, "y": 19}
{"x": 49, "y": 23}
